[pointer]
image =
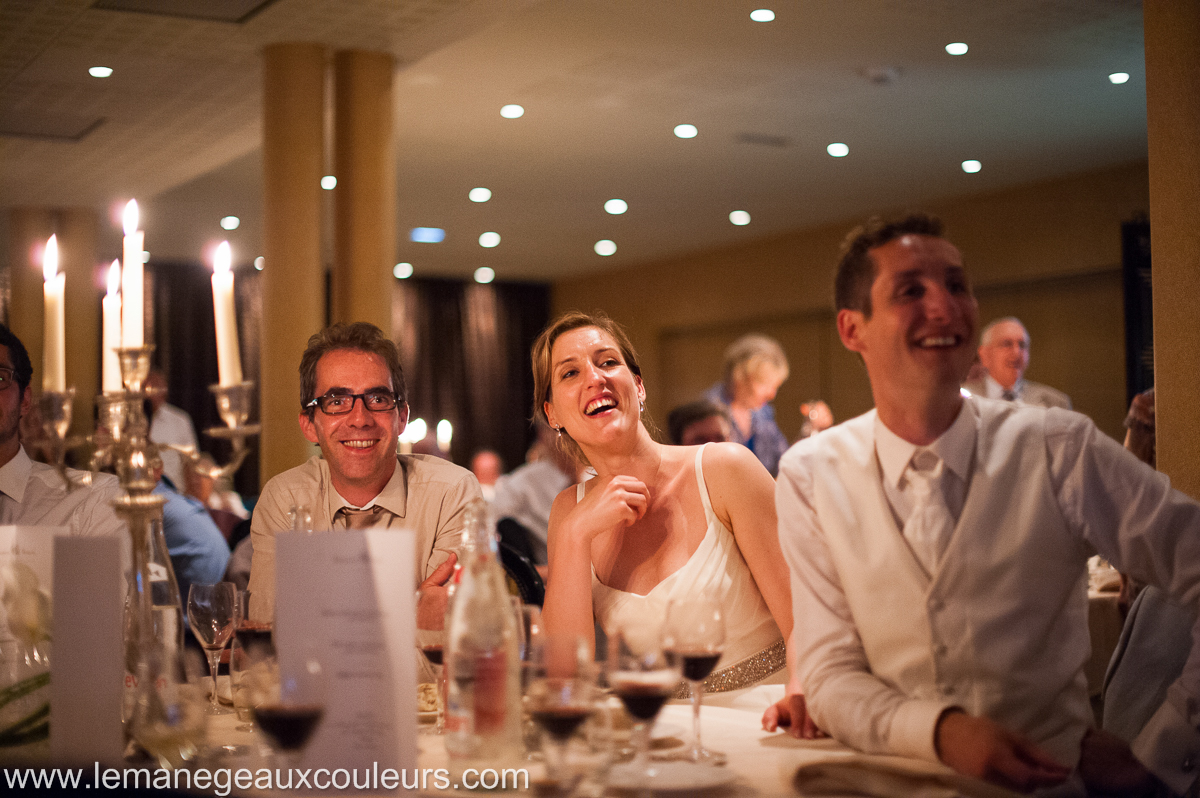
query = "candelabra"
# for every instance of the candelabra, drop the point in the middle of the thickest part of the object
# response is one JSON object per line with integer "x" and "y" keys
{"x": 154, "y": 619}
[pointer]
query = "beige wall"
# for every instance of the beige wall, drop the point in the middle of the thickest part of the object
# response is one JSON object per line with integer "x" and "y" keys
{"x": 1049, "y": 253}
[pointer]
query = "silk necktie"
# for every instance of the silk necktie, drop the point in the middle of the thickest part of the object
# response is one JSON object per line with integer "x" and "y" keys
{"x": 930, "y": 525}
{"x": 362, "y": 519}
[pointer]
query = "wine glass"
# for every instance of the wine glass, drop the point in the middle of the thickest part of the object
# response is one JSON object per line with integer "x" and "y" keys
{"x": 431, "y": 640}
{"x": 640, "y": 674}
{"x": 210, "y": 610}
{"x": 693, "y": 638}
{"x": 560, "y": 698}
{"x": 292, "y": 710}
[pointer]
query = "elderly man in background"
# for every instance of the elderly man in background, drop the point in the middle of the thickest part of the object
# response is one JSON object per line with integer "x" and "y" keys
{"x": 755, "y": 366}
{"x": 353, "y": 405}
{"x": 1004, "y": 356}
{"x": 939, "y": 546}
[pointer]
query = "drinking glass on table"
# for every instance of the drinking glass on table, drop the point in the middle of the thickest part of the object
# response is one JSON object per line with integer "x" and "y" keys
{"x": 693, "y": 638}
{"x": 640, "y": 674}
{"x": 431, "y": 640}
{"x": 210, "y": 611}
{"x": 292, "y": 710}
{"x": 560, "y": 697}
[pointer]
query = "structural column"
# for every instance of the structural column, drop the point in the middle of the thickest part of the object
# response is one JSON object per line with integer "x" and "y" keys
{"x": 28, "y": 230}
{"x": 365, "y": 197}
{"x": 293, "y": 277}
{"x": 1172, "y": 31}
{"x": 78, "y": 230}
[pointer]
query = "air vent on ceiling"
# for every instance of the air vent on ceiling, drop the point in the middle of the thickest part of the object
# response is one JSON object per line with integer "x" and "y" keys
{"x": 765, "y": 139}
{"x": 57, "y": 127}
{"x": 213, "y": 10}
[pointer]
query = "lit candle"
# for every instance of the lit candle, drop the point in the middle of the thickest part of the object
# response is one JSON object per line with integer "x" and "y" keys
{"x": 111, "y": 379}
{"x": 54, "y": 354}
{"x": 229, "y": 361}
{"x": 131, "y": 280}
{"x": 444, "y": 432}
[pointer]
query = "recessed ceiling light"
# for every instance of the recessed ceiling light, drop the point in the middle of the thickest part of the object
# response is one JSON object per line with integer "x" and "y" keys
{"x": 485, "y": 274}
{"x": 402, "y": 271}
{"x": 230, "y": 223}
{"x": 956, "y": 48}
{"x": 616, "y": 206}
{"x": 258, "y": 263}
{"x": 100, "y": 72}
{"x": 329, "y": 182}
{"x": 489, "y": 240}
{"x": 512, "y": 112}
{"x": 762, "y": 15}
{"x": 427, "y": 235}
{"x": 972, "y": 166}
{"x": 605, "y": 247}
{"x": 686, "y": 131}
{"x": 479, "y": 194}
{"x": 1119, "y": 77}
{"x": 838, "y": 150}
{"x": 739, "y": 218}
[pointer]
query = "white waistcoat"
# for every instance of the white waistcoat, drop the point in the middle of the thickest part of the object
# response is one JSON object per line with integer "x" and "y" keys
{"x": 993, "y": 629}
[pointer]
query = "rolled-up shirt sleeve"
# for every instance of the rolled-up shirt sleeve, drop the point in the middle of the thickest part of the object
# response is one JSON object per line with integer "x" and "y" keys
{"x": 845, "y": 698}
{"x": 1129, "y": 514}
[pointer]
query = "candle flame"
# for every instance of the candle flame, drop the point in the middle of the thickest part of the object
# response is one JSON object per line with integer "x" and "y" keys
{"x": 223, "y": 258}
{"x": 130, "y": 218}
{"x": 50, "y": 259}
{"x": 114, "y": 278}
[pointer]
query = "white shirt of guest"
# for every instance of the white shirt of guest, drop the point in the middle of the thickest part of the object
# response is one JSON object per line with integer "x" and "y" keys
{"x": 1104, "y": 500}
{"x": 33, "y": 494}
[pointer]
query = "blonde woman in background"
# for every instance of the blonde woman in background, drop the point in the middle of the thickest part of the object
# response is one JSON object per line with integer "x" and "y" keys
{"x": 755, "y": 367}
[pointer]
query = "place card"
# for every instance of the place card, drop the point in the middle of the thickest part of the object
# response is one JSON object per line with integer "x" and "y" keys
{"x": 87, "y": 664}
{"x": 347, "y": 597}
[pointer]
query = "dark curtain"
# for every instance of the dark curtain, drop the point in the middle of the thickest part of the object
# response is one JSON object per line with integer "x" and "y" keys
{"x": 181, "y": 316}
{"x": 1139, "y": 311}
{"x": 465, "y": 351}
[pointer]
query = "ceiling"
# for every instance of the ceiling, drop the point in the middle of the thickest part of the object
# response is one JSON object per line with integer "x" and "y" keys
{"x": 603, "y": 83}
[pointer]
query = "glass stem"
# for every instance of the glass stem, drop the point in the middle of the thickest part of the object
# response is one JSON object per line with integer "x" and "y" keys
{"x": 697, "y": 697}
{"x": 440, "y": 672}
{"x": 214, "y": 660}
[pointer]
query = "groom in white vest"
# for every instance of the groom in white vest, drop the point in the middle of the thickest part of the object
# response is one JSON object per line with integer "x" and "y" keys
{"x": 938, "y": 548}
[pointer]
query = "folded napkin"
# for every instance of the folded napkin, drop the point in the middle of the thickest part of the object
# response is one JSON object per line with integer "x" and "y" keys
{"x": 841, "y": 774}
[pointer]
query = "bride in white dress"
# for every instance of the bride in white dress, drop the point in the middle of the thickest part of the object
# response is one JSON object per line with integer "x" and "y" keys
{"x": 657, "y": 522}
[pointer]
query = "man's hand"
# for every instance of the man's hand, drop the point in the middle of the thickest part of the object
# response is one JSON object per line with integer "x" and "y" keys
{"x": 791, "y": 714}
{"x": 984, "y": 749}
{"x": 431, "y": 607}
{"x": 1108, "y": 767}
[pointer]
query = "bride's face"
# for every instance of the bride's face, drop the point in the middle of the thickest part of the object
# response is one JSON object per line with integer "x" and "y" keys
{"x": 593, "y": 393}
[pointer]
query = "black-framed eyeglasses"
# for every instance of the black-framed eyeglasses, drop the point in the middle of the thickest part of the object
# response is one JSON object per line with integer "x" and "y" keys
{"x": 339, "y": 404}
{"x": 7, "y": 377}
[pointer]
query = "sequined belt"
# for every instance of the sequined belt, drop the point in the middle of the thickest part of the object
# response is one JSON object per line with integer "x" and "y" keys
{"x": 742, "y": 674}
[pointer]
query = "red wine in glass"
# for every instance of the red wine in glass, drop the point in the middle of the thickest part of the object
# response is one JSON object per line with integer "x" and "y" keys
{"x": 643, "y": 698}
{"x": 288, "y": 727}
{"x": 561, "y": 722}
{"x": 695, "y": 665}
{"x": 433, "y": 654}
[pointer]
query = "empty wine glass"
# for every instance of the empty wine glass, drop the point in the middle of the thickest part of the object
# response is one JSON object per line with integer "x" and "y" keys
{"x": 210, "y": 610}
{"x": 431, "y": 640}
{"x": 693, "y": 638}
{"x": 640, "y": 674}
{"x": 560, "y": 698}
{"x": 291, "y": 712}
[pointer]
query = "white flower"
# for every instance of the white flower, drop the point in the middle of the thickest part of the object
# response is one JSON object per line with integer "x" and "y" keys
{"x": 27, "y": 606}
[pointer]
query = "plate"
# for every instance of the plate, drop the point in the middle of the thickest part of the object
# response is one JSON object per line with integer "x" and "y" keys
{"x": 671, "y": 777}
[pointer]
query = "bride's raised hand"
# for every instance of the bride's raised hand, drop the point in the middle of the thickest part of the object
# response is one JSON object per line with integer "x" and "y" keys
{"x": 614, "y": 502}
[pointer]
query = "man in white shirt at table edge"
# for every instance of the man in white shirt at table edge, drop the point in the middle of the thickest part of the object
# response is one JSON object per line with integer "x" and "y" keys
{"x": 938, "y": 549}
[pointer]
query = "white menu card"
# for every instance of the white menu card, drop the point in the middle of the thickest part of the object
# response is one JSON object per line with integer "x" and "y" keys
{"x": 32, "y": 548}
{"x": 347, "y": 596}
{"x": 87, "y": 665}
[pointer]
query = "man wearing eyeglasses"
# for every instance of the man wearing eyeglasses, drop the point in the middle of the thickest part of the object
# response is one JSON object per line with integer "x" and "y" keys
{"x": 353, "y": 405}
{"x": 33, "y": 493}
